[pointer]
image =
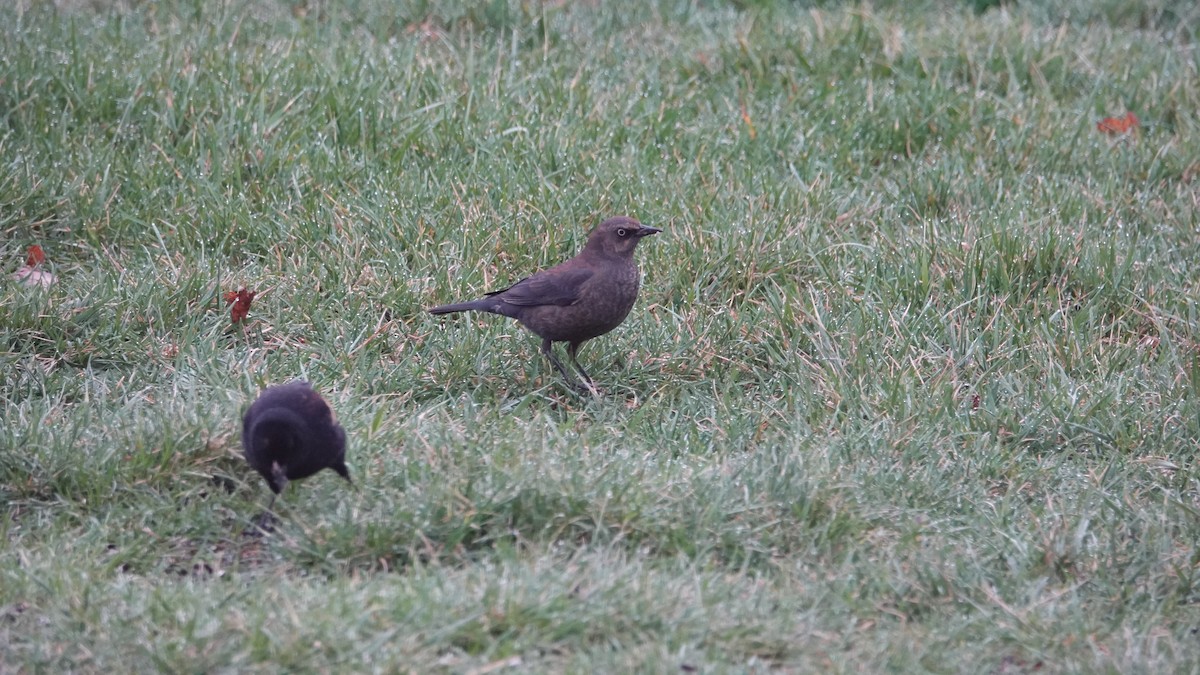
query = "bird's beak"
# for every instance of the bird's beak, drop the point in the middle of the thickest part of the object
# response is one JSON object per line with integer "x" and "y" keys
{"x": 280, "y": 478}
{"x": 646, "y": 231}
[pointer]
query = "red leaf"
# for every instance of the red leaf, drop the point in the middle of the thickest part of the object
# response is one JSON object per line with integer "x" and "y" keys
{"x": 240, "y": 299}
{"x": 1118, "y": 125}
{"x": 35, "y": 256}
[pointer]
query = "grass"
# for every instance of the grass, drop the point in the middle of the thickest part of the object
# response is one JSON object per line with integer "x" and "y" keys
{"x": 913, "y": 383}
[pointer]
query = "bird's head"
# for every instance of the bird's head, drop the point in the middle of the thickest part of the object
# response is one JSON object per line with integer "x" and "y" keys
{"x": 619, "y": 236}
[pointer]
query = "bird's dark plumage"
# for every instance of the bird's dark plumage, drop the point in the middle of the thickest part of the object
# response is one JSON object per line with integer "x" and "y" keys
{"x": 289, "y": 433}
{"x": 575, "y": 301}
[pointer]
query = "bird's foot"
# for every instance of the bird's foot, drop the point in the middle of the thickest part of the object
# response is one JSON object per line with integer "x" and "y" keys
{"x": 263, "y": 523}
{"x": 588, "y": 387}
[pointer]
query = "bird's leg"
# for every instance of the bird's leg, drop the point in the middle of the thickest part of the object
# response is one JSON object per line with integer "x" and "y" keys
{"x": 572, "y": 349}
{"x": 265, "y": 521}
{"x": 548, "y": 350}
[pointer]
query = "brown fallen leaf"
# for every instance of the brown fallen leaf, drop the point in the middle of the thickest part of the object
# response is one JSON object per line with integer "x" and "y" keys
{"x": 240, "y": 299}
{"x": 1116, "y": 126}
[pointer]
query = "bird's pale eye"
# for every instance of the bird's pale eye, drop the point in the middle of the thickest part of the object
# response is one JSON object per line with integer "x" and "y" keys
{"x": 621, "y": 232}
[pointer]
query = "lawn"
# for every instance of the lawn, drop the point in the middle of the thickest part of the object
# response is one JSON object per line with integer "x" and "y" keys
{"x": 912, "y": 383}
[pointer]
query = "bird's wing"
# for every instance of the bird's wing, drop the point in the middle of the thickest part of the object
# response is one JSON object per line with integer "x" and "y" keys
{"x": 552, "y": 287}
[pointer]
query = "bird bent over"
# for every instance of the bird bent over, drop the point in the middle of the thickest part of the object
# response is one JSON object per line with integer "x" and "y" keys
{"x": 289, "y": 433}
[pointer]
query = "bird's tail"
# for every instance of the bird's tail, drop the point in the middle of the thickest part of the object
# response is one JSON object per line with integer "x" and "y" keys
{"x": 459, "y": 307}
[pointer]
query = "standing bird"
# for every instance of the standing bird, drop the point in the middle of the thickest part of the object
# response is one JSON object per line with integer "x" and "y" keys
{"x": 289, "y": 433}
{"x": 575, "y": 301}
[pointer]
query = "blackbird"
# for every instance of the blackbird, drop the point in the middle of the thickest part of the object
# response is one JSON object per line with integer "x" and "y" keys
{"x": 289, "y": 433}
{"x": 575, "y": 301}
